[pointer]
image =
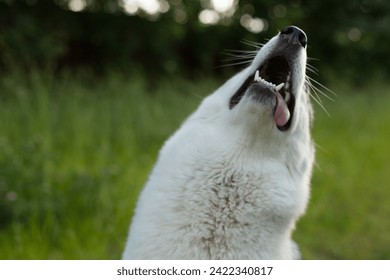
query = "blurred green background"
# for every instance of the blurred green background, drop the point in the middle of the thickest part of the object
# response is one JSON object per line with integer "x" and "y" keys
{"x": 90, "y": 89}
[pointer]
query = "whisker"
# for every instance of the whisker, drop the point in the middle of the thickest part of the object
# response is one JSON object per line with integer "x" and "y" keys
{"x": 313, "y": 89}
{"x": 234, "y": 52}
{"x": 312, "y": 58}
{"x": 316, "y": 164}
{"x": 323, "y": 93}
{"x": 248, "y": 62}
{"x": 312, "y": 69}
{"x": 319, "y": 102}
{"x": 197, "y": 95}
{"x": 239, "y": 57}
{"x": 322, "y": 149}
{"x": 316, "y": 89}
{"x": 322, "y": 86}
{"x": 238, "y": 60}
{"x": 252, "y": 44}
{"x": 311, "y": 66}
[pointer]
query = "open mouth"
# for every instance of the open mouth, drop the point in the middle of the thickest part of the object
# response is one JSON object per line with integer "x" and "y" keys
{"x": 275, "y": 74}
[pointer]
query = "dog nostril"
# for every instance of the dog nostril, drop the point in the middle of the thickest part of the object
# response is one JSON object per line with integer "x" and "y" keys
{"x": 287, "y": 30}
{"x": 295, "y": 33}
{"x": 302, "y": 39}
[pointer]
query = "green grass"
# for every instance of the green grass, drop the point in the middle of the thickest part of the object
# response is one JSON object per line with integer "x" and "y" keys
{"x": 349, "y": 213}
{"x": 74, "y": 154}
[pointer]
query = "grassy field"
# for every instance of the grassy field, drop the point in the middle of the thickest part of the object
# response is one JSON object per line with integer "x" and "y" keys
{"x": 74, "y": 155}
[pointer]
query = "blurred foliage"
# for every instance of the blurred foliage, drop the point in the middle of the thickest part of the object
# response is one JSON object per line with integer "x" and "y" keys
{"x": 351, "y": 36}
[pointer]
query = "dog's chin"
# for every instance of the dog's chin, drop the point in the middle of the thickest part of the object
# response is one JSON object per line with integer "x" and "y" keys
{"x": 261, "y": 94}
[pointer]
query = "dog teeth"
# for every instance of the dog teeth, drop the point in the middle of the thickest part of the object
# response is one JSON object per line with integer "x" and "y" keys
{"x": 286, "y": 91}
{"x": 259, "y": 79}
{"x": 288, "y": 95}
{"x": 288, "y": 80}
{"x": 287, "y": 88}
{"x": 279, "y": 87}
{"x": 267, "y": 83}
{"x": 257, "y": 76}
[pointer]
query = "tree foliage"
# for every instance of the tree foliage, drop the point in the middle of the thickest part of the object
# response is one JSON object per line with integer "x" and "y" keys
{"x": 351, "y": 36}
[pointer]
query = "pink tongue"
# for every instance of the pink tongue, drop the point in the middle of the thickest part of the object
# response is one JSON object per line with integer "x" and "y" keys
{"x": 282, "y": 114}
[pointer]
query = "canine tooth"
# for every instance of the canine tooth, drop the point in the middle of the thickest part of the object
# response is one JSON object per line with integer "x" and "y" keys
{"x": 257, "y": 76}
{"x": 287, "y": 85}
{"x": 279, "y": 87}
{"x": 288, "y": 96}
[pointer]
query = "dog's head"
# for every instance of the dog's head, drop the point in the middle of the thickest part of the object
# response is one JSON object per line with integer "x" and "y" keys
{"x": 276, "y": 76}
{"x": 270, "y": 95}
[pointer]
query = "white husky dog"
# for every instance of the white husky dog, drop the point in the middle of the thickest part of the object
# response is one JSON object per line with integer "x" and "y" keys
{"x": 233, "y": 180}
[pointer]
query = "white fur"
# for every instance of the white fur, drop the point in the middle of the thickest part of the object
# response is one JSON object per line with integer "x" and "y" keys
{"x": 228, "y": 184}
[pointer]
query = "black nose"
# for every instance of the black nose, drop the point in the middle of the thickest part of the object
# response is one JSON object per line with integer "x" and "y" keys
{"x": 296, "y": 34}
